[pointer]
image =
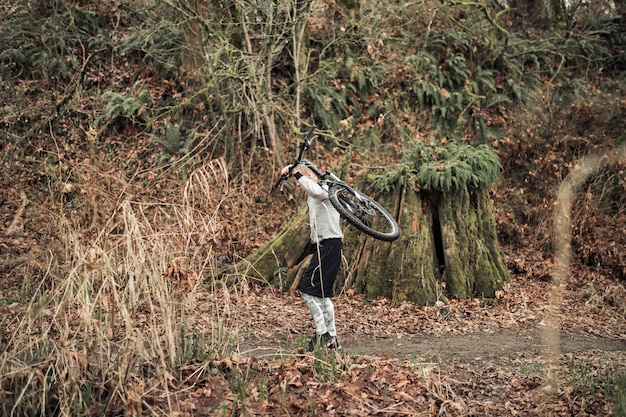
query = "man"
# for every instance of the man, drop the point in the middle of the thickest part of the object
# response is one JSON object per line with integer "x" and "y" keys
{"x": 316, "y": 285}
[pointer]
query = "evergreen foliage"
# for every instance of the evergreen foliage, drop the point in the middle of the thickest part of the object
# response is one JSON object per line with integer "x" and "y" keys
{"x": 173, "y": 142}
{"x": 465, "y": 68}
{"x": 128, "y": 106}
{"x": 455, "y": 78}
{"x": 44, "y": 41}
{"x": 156, "y": 38}
{"x": 446, "y": 168}
{"x": 329, "y": 101}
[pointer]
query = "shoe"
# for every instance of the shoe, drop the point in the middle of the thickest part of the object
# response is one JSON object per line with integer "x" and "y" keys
{"x": 325, "y": 341}
{"x": 333, "y": 344}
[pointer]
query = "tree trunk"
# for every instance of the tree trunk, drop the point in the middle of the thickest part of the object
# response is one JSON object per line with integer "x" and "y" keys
{"x": 453, "y": 211}
{"x": 403, "y": 270}
{"x": 474, "y": 264}
{"x": 455, "y": 230}
{"x": 491, "y": 271}
{"x": 195, "y": 38}
{"x": 274, "y": 262}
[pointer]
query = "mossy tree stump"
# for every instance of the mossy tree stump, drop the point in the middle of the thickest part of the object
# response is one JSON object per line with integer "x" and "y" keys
{"x": 403, "y": 270}
{"x": 473, "y": 263}
{"x": 448, "y": 245}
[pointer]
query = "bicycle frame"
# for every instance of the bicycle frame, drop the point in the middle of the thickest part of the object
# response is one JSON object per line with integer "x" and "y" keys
{"x": 304, "y": 147}
{"x": 355, "y": 207}
{"x": 323, "y": 176}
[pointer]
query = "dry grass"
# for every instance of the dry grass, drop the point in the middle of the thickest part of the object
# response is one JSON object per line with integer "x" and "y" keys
{"x": 108, "y": 319}
{"x": 108, "y": 324}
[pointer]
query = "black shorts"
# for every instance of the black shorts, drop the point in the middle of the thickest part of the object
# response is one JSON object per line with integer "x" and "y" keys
{"x": 324, "y": 267}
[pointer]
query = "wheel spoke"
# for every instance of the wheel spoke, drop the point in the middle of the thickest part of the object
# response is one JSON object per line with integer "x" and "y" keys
{"x": 364, "y": 213}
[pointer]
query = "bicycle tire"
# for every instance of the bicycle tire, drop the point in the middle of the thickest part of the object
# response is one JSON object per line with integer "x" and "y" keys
{"x": 363, "y": 213}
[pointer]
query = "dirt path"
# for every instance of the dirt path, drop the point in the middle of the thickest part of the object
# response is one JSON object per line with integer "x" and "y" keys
{"x": 488, "y": 373}
{"x": 489, "y": 358}
{"x": 462, "y": 333}
{"x": 442, "y": 349}
{"x": 481, "y": 346}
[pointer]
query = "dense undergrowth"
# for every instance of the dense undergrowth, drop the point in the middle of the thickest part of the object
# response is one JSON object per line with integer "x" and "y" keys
{"x": 140, "y": 140}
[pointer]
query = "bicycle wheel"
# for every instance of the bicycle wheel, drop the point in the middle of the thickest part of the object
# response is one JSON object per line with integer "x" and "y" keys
{"x": 363, "y": 213}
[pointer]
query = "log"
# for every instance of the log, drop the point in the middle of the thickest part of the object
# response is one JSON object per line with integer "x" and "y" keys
{"x": 270, "y": 263}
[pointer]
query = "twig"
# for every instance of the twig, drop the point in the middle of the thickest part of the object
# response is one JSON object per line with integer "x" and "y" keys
{"x": 18, "y": 215}
{"x": 301, "y": 267}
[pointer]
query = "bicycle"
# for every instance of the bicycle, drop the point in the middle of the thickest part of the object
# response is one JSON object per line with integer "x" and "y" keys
{"x": 355, "y": 207}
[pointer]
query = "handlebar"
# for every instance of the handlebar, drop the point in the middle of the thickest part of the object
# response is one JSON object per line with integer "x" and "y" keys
{"x": 304, "y": 146}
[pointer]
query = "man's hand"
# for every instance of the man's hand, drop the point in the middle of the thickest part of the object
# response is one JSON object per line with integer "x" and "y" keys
{"x": 287, "y": 169}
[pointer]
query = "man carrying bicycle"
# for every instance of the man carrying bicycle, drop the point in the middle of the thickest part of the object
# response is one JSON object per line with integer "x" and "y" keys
{"x": 316, "y": 285}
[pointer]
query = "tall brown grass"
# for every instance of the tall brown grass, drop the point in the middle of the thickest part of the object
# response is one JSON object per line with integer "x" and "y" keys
{"x": 108, "y": 323}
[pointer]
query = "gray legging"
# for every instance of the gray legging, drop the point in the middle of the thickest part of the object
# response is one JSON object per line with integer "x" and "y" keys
{"x": 323, "y": 312}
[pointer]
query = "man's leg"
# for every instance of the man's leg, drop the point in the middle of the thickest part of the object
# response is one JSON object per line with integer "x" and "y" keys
{"x": 315, "y": 305}
{"x": 329, "y": 317}
{"x": 328, "y": 309}
{"x": 323, "y": 312}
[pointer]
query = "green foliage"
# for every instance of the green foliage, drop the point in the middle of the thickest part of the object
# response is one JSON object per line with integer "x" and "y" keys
{"x": 449, "y": 167}
{"x": 589, "y": 43}
{"x": 46, "y": 41}
{"x": 191, "y": 348}
{"x": 159, "y": 39}
{"x": 173, "y": 143}
{"x": 328, "y": 98}
{"x": 619, "y": 395}
{"x": 387, "y": 181}
{"x": 466, "y": 72}
{"x": 568, "y": 91}
{"x": 452, "y": 88}
{"x": 364, "y": 78}
{"x": 326, "y": 364}
{"x": 127, "y": 106}
{"x": 592, "y": 380}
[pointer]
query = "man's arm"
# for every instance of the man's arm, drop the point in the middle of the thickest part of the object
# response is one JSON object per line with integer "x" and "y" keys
{"x": 311, "y": 187}
{"x": 309, "y": 184}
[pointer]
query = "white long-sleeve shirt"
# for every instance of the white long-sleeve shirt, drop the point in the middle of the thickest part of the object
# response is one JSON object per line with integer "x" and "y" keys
{"x": 324, "y": 219}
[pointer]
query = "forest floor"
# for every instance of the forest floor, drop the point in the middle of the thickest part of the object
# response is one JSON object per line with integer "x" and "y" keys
{"x": 491, "y": 358}
{"x": 538, "y": 349}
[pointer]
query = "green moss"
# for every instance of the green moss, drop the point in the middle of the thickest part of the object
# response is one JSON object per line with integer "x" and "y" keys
{"x": 268, "y": 263}
{"x": 408, "y": 268}
{"x": 404, "y": 270}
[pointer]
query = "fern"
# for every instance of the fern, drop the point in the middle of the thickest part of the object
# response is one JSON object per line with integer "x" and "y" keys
{"x": 453, "y": 166}
{"x": 125, "y": 106}
{"x": 457, "y": 71}
{"x": 161, "y": 41}
{"x": 364, "y": 79}
{"x": 387, "y": 181}
{"x": 450, "y": 89}
{"x": 173, "y": 143}
{"x": 330, "y": 104}
{"x": 40, "y": 40}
